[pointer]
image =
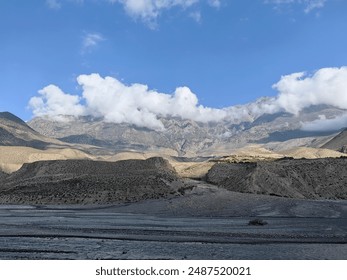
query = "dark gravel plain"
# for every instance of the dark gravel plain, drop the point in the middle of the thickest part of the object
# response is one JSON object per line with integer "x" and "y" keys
{"x": 204, "y": 223}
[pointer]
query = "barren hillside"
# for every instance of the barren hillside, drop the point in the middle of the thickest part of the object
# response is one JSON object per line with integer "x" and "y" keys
{"x": 313, "y": 179}
{"x": 86, "y": 181}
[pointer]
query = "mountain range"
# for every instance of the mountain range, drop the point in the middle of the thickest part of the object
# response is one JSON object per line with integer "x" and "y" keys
{"x": 181, "y": 137}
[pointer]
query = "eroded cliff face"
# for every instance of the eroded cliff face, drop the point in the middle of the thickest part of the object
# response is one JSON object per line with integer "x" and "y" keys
{"x": 302, "y": 178}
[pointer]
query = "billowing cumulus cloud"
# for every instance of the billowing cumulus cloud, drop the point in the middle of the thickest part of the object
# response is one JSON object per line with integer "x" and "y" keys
{"x": 136, "y": 104}
{"x": 326, "y": 86}
{"x": 119, "y": 103}
{"x": 53, "y": 102}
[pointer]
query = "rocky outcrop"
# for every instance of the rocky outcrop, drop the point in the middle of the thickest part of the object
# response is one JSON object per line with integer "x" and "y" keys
{"x": 302, "y": 178}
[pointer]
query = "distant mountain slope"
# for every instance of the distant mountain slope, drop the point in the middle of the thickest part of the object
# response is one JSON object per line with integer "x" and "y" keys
{"x": 15, "y": 132}
{"x": 12, "y": 118}
{"x": 338, "y": 143}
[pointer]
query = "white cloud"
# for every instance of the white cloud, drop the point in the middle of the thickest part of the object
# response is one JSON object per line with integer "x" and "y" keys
{"x": 314, "y": 4}
{"x": 326, "y": 86}
{"x": 53, "y": 102}
{"x": 309, "y": 5}
{"x": 324, "y": 124}
{"x": 137, "y": 104}
{"x": 90, "y": 41}
{"x": 116, "y": 102}
{"x": 53, "y": 4}
{"x": 149, "y": 10}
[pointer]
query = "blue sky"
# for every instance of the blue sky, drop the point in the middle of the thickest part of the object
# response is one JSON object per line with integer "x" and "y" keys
{"x": 227, "y": 52}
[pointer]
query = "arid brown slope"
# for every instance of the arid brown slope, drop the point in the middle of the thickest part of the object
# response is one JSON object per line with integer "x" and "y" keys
{"x": 313, "y": 179}
{"x": 86, "y": 181}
